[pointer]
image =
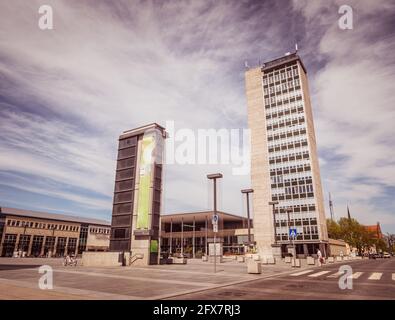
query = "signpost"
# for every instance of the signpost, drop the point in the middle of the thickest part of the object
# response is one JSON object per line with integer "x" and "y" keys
{"x": 215, "y": 230}
{"x": 214, "y": 177}
{"x": 292, "y": 235}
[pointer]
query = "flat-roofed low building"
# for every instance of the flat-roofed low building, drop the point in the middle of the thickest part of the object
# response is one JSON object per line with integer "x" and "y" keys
{"x": 190, "y": 233}
{"x": 38, "y": 234}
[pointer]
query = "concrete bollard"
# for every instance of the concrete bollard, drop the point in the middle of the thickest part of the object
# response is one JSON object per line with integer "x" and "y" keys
{"x": 295, "y": 263}
{"x": 271, "y": 260}
{"x": 254, "y": 267}
{"x": 204, "y": 258}
{"x": 331, "y": 259}
{"x": 288, "y": 259}
{"x": 256, "y": 257}
{"x": 338, "y": 259}
{"x": 310, "y": 261}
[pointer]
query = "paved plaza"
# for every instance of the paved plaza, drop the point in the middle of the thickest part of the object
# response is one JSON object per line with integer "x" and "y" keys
{"x": 19, "y": 278}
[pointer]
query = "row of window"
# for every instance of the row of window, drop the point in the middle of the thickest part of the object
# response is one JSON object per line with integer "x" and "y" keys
{"x": 288, "y": 119}
{"x": 290, "y": 133}
{"x": 289, "y": 164}
{"x": 287, "y": 140}
{"x": 287, "y": 146}
{"x": 294, "y": 207}
{"x": 288, "y": 153}
{"x": 290, "y": 169}
{"x": 293, "y": 112}
{"x": 289, "y": 157}
{"x": 277, "y": 76}
{"x": 290, "y": 114}
{"x": 291, "y": 177}
{"x": 274, "y": 124}
{"x": 100, "y": 230}
{"x": 308, "y": 230}
{"x": 289, "y": 182}
{"x": 285, "y": 108}
{"x": 39, "y": 225}
{"x": 284, "y": 98}
{"x": 281, "y": 87}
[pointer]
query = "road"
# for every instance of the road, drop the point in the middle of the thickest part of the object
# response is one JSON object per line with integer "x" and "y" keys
{"x": 372, "y": 279}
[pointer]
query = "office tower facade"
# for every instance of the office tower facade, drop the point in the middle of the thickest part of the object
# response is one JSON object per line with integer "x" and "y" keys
{"x": 137, "y": 194}
{"x": 284, "y": 161}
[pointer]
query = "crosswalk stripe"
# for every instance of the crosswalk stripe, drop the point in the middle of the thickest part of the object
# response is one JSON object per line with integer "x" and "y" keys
{"x": 335, "y": 275}
{"x": 356, "y": 275}
{"x": 315, "y": 275}
{"x": 393, "y": 276}
{"x": 375, "y": 276}
{"x": 300, "y": 273}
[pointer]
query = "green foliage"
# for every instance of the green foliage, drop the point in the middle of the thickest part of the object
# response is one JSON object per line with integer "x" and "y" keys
{"x": 355, "y": 234}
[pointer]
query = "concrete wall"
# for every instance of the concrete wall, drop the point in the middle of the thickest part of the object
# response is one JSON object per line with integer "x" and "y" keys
{"x": 260, "y": 180}
{"x": 101, "y": 259}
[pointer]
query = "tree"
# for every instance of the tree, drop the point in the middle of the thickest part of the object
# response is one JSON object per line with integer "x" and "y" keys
{"x": 351, "y": 231}
{"x": 334, "y": 230}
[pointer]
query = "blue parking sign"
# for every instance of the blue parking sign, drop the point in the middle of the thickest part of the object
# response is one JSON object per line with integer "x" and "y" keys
{"x": 292, "y": 233}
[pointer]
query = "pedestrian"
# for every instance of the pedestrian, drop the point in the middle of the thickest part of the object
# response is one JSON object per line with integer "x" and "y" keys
{"x": 319, "y": 256}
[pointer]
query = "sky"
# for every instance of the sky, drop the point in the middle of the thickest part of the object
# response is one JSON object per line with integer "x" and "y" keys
{"x": 67, "y": 94}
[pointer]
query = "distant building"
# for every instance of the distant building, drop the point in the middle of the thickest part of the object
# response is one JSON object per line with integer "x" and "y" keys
{"x": 375, "y": 230}
{"x": 190, "y": 233}
{"x": 36, "y": 234}
{"x": 284, "y": 160}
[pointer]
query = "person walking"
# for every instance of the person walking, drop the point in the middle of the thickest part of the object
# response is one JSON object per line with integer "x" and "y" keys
{"x": 319, "y": 256}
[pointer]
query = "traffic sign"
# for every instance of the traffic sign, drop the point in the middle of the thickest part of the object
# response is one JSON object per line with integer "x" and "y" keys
{"x": 292, "y": 233}
{"x": 215, "y": 223}
{"x": 215, "y": 219}
{"x": 215, "y": 227}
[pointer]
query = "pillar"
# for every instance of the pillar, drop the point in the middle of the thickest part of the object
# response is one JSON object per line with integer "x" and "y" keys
{"x": 29, "y": 251}
{"x": 171, "y": 236}
{"x": 182, "y": 236}
{"x": 193, "y": 238}
{"x": 43, "y": 246}
{"x": 305, "y": 249}
{"x": 65, "y": 248}
{"x": 54, "y": 247}
{"x": 206, "y": 244}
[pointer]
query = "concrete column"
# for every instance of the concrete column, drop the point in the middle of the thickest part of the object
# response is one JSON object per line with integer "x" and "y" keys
{"x": 18, "y": 237}
{"x": 206, "y": 244}
{"x": 65, "y": 248}
{"x": 2, "y": 238}
{"x": 171, "y": 236}
{"x": 193, "y": 238}
{"x": 29, "y": 251}
{"x": 305, "y": 249}
{"x": 182, "y": 236}
{"x": 54, "y": 246}
{"x": 43, "y": 246}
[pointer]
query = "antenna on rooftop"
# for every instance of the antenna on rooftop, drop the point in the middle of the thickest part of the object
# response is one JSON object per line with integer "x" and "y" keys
{"x": 331, "y": 207}
{"x": 296, "y": 47}
{"x": 246, "y": 64}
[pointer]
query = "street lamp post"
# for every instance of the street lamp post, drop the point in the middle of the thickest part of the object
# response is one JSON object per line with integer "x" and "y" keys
{"x": 214, "y": 177}
{"x": 247, "y": 192}
{"x": 273, "y": 204}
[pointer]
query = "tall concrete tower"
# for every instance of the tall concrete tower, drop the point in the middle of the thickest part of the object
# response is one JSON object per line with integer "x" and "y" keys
{"x": 137, "y": 194}
{"x": 284, "y": 161}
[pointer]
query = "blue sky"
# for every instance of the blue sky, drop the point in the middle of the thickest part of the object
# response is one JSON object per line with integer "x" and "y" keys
{"x": 66, "y": 95}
